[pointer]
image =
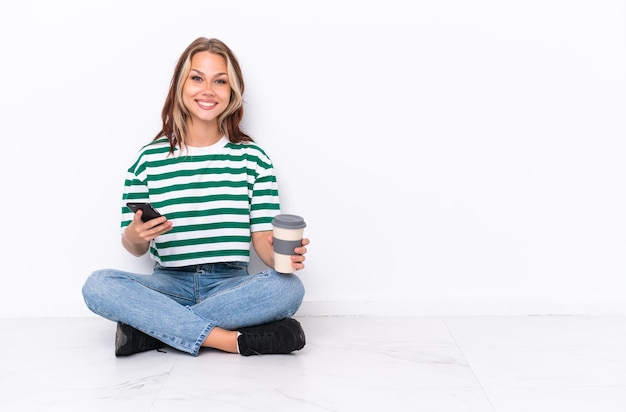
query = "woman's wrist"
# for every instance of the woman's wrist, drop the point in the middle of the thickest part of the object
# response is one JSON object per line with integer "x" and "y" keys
{"x": 135, "y": 248}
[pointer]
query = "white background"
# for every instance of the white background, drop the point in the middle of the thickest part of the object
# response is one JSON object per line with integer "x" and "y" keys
{"x": 449, "y": 157}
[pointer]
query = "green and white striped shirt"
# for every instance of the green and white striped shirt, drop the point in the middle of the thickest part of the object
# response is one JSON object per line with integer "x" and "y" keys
{"x": 215, "y": 197}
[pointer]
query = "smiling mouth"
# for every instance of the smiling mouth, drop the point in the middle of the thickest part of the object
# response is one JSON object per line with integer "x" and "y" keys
{"x": 207, "y": 104}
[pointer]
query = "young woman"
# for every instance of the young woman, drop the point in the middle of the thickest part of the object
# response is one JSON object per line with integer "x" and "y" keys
{"x": 216, "y": 192}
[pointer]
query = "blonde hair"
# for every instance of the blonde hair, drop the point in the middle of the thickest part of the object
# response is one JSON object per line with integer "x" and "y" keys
{"x": 174, "y": 114}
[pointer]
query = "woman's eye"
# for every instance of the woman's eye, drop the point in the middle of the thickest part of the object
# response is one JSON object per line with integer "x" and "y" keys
{"x": 196, "y": 78}
{"x": 220, "y": 81}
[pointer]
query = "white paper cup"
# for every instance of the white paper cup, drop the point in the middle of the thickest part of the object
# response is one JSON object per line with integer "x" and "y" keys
{"x": 288, "y": 234}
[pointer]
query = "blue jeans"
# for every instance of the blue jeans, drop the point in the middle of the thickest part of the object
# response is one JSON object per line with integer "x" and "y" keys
{"x": 180, "y": 306}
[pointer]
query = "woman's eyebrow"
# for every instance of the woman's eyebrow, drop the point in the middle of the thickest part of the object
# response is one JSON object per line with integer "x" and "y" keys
{"x": 203, "y": 74}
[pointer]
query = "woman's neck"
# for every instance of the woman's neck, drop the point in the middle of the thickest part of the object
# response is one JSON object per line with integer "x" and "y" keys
{"x": 202, "y": 135}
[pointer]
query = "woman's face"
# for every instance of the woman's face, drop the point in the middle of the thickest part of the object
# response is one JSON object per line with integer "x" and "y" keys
{"x": 206, "y": 91}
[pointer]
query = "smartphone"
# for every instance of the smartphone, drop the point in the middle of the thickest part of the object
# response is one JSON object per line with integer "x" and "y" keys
{"x": 149, "y": 212}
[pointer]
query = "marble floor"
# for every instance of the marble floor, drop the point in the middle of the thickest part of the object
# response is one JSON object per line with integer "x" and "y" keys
{"x": 503, "y": 364}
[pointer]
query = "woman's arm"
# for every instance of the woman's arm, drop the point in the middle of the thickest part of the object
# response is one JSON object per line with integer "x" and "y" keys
{"x": 262, "y": 242}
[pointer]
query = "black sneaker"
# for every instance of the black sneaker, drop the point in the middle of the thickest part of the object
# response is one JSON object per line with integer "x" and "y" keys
{"x": 129, "y": 340}
{"x": 283, "y": 336}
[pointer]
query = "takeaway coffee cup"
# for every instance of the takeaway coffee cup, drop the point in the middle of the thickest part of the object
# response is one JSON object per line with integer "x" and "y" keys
{"x": 288, "y": 233}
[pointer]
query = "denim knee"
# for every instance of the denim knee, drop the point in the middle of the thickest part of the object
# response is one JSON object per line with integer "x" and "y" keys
{"x": 94, "y": 287}
{"x": 292, "y": 290}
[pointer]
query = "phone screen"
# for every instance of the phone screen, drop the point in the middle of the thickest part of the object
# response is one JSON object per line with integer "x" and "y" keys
{"x": 149, "y": 212}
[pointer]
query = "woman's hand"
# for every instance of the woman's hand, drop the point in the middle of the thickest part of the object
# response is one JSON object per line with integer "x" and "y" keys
{"x": 263, "y": 243}
{"x": 138, "y": 234}
{"x": 297, "y": 261}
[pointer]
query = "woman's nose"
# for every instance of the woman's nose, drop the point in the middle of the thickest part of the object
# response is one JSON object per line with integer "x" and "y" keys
{"x": 209, "y": 91}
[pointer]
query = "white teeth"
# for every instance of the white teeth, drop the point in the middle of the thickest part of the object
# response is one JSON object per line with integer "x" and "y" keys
{"x": 204, "y": 104}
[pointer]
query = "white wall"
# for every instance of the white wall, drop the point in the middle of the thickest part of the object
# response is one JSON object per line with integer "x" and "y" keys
{"x": 450, "y": 157}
